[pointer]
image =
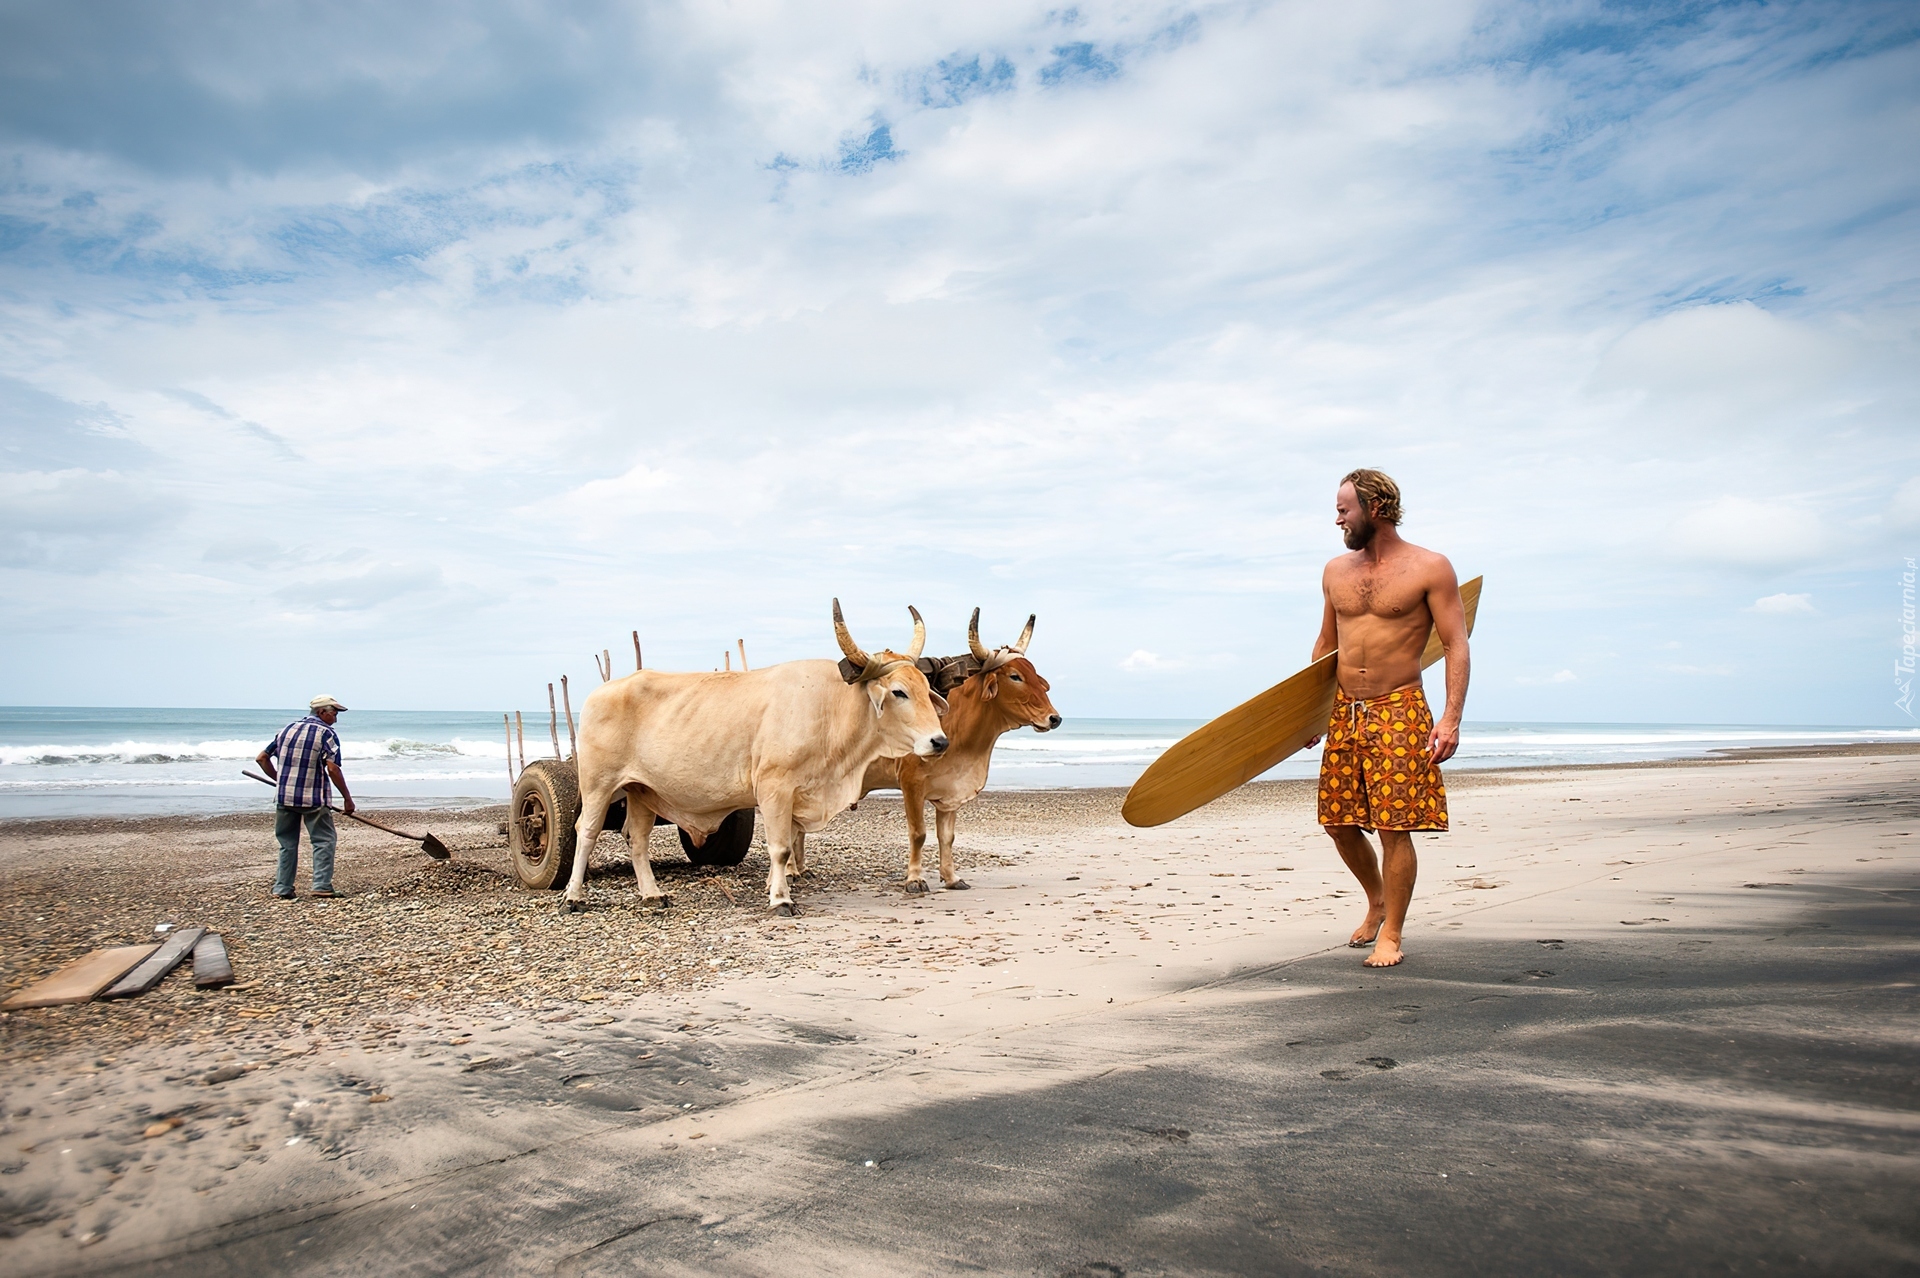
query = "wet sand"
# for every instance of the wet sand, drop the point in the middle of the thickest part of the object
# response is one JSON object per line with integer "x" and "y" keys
{"x": 1658, "y": 1019}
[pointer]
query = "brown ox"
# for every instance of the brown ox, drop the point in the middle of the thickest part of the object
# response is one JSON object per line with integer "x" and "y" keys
{"x": 988, "y": 693}
{"x": 793, "y": 740}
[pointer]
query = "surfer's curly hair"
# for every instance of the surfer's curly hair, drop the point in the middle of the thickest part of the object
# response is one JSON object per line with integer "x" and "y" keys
{"x": 1379, "y": 495}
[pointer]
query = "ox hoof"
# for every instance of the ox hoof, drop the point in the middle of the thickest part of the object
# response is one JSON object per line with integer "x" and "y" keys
{"x": 572, "y": 907}
{"x": 655, "y": 902}
{"x": 916, "y": 886}
{"x": 959, "y": 885}
{"x": 784, "y": 909}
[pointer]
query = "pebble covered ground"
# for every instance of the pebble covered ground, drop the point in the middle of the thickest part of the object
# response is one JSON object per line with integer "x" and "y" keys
{"x": 418, "y": 936}
{"x": 423, "y": 938}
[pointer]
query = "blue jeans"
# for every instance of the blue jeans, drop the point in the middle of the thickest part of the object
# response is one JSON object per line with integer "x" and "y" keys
{"x": 320, "y": 833}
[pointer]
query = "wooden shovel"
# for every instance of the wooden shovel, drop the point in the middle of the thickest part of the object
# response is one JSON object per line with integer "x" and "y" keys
{"x": 432, "y": 846}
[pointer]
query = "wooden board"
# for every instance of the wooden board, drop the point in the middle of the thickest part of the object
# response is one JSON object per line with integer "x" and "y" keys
{"x": 81, "y": 979}
{"x": 154, "y": 968}
{"x": 211, "y": 966}
{"x": 1252, "y": 737}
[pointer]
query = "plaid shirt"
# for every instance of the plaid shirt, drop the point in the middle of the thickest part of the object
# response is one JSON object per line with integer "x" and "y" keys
{"x": 304, "y": 748}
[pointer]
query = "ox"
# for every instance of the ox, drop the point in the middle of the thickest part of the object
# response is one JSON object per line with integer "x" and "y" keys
{"x": 988, "y": 693}
{"x": 793, "y": 740}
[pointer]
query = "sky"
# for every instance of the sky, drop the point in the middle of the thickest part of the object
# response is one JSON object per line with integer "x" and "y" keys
{"x": 413, "y": 353}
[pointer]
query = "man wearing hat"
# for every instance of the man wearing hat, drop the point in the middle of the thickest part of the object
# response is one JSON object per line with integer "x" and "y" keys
{"x": 309, "y": 753}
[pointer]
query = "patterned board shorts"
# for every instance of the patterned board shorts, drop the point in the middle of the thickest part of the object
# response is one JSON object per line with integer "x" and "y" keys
{"x": 1377, "y": 773}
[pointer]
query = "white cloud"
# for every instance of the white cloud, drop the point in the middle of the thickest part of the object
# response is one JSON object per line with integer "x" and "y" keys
{"x": 1903, "y": 512}
{"x": 370, "y": 587}
{"x": 1783, "y": 604}
{"x": 1558, "y": 676}
{"x": 1730, "y": 352}
{"x": 74, "y": 520}
{"x": 1744, "y": 533}
{"x": 634, "y": 348}
{"x": 617, "y": 506}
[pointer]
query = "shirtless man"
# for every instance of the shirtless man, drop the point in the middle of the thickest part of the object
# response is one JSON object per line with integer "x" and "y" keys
{"x": 1381, "y": 767}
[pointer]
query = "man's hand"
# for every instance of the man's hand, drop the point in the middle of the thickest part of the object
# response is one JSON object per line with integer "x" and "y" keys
{"x": 346, "y": 803}
{"x": 1311, "y": 744}
{"x": 1445, "y": 740}
{"x": 265, "y": 761}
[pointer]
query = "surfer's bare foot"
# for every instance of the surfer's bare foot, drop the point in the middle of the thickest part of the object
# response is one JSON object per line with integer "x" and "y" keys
{"x": 1364, "y": 935}
{"x": 1385, "y": 954}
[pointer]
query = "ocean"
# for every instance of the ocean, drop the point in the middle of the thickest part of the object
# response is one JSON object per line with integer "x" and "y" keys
{"x": 68, "y": 762}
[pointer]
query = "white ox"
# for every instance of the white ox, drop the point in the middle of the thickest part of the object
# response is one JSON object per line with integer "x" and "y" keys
{"x": 793, "y": 740}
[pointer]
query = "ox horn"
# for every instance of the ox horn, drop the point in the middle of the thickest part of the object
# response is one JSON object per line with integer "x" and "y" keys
{"x": 1026, "y": 637}
{"x": 978, "y": 649}
{"x": 919, "y": 634}
{"x": 847, "y": 645}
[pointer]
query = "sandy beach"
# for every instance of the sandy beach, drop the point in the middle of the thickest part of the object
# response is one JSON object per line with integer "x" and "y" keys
{"x": 1658, "y": 1018}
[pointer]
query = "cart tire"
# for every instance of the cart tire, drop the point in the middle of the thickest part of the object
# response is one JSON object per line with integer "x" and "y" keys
{"x": 546, "y": 803}
{"x": 725, "y": 846}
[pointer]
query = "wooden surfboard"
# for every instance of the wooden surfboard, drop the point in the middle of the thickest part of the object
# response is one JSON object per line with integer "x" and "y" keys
{"x": 1252, "y": 737}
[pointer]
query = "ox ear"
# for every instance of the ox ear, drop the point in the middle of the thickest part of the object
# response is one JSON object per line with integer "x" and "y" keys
{"x": 939, "y": 703}
{"x": 990, "y": 687}
{"x": 877, "y": 697}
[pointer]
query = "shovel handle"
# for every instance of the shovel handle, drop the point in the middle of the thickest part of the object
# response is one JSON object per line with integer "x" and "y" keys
{"x": 351, "y": 816}
{"x": 417, "y": 838}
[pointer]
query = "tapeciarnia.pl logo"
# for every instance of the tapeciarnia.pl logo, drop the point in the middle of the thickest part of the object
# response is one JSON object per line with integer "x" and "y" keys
{"x": 1903, "y": 667}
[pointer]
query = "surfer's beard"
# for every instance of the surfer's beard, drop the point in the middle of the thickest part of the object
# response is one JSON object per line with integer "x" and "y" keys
{"x": 1360, "y": 532}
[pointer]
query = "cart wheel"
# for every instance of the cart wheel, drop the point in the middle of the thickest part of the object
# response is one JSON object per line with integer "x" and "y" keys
{"x": 546, "y": 803}
{"x": 725, "y": 846}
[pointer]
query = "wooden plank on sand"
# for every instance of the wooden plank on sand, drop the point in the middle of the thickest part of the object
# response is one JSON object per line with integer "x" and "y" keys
{"x": 81, "y": 979}
{"x": 1252, "y": 737}
{"x": 154, "y": 969}
{"x": 210, "y": 963}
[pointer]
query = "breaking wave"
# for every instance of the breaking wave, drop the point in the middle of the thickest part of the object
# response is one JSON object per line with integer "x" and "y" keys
{"x": 149, "y": 753}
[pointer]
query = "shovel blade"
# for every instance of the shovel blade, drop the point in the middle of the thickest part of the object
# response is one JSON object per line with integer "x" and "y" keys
{"x": 434, "y": 848}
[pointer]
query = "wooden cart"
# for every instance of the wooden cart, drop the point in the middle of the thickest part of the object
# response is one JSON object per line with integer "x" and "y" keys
{"x": 540, "y": 827}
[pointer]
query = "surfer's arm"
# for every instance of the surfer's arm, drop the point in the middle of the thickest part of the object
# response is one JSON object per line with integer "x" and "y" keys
{"x": 1450, "y": 621}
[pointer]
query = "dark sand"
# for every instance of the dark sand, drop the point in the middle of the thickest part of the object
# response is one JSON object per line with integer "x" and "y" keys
{"x": 1653, "y": 1020}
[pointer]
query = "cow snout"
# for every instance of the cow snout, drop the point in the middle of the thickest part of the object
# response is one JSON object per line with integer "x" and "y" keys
{"x": 1053, "y": 721}
{"x": 938, "y": 745}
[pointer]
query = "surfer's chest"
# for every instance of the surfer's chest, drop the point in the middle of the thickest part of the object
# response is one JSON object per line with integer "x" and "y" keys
{"x": 1376, "y": 595}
